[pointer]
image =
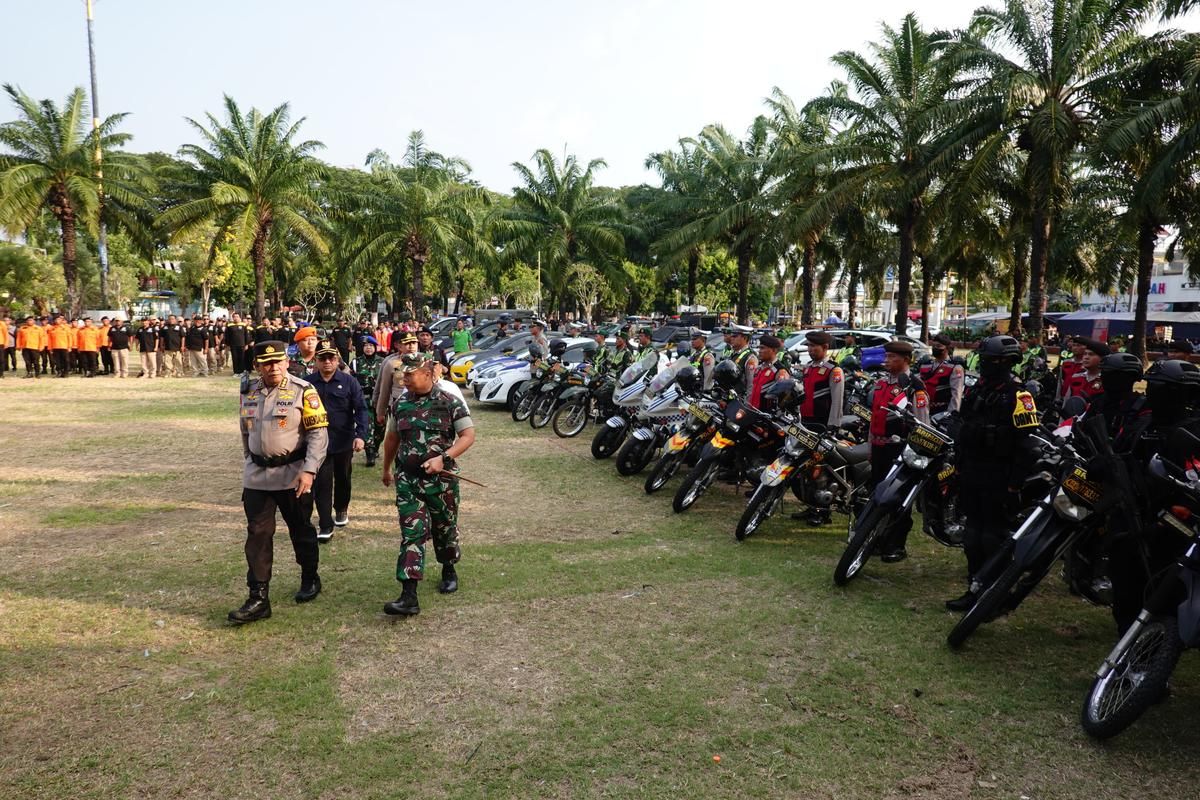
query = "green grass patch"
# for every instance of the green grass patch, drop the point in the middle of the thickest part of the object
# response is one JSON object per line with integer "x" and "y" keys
{"x": 105, "y": 514}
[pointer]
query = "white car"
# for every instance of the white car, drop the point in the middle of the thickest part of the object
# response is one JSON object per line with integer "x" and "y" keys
{"x": 797, "y": 346}
{"x": 496, "y": 380}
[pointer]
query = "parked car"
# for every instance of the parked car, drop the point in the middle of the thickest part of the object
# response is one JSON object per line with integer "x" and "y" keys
{"x": 867, "y": 340}
{"x": 496, "y": 379}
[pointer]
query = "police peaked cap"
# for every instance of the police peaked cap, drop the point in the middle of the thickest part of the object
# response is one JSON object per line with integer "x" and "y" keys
{"x": 270, "y": 350}
{"x": 325, "y": 347}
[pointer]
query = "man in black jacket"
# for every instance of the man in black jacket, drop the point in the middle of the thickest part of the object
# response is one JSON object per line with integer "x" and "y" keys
{"x": 343, "y": 400}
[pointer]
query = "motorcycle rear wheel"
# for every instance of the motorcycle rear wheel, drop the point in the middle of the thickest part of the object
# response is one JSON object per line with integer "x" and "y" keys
{"x": 663, "y": 471}
{"x": 634, "y": 455}
{"x": 606, "y": 441}
{"x": 761, "y": 506}
{"x": 1136, "y": 682}
{"x": 524, "y": 407}
{"x": 695, "y": 484}
{"x": 542, "y": 408}
{"x": 869, "y": 528}
{"x": 570, "y": 418}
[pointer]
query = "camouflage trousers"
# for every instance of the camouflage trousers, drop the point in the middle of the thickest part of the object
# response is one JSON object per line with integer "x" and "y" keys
{"x": 427, "y": 509}
{"x": 375, "y": 434}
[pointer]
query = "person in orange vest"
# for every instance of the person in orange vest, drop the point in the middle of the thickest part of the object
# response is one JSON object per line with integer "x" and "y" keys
{"x": 3, "y": 346}
{"x": 61, "y": 340}
{"x": 31, "y": 341}
{"x": 88, "y": 343}
{"x": 106, "y": 359}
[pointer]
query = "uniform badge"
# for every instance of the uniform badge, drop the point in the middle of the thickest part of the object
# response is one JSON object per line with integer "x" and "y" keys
{"x": 822, "y": 371}
{"x": 282, "y": 423}
{"x": 836, "y": 377}
{"x": 314, "y": 402}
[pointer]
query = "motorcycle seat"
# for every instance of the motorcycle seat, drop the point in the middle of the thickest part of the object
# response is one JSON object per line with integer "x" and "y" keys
{"x": 854, "y": 454}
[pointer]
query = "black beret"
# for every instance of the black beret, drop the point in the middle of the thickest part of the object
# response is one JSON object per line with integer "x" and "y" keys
{"x": 898, "y": 347}
{"x": 1095, "y": 345}
{"x": 774, "y": 342}
{"x": 818, "y": 337}
{"x": 1180, "y": 346}
{"x": 943, "y": 339}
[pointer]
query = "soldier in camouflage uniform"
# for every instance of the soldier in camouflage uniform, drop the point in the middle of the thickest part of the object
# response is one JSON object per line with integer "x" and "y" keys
{"x": 624, "y": 356}
{"x": 366, "y": 370}
{"x": 427, "y": 430}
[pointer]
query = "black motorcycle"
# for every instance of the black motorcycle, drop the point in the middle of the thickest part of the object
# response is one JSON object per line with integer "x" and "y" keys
{"x": 1134, "y": 676}
{"x": 580, "y": 403}
{"x": 923, "y": 472}
{"x": 626, "y": 400}
{"x": 1066, "y": 518}
{"x": 704, "y": 419}
{"x": 549, "y": 395}
{"x": 526, "y": 393}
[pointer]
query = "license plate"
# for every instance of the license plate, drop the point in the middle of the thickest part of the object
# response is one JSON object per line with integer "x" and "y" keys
{"x": 1077, "y": 484}
{"x": 702, "y": 414}
{"x": 806, "y": 439}
{"x": 492, "y": 385}
{"x": 861, "y": 411}
{"x": 926, "y": 442}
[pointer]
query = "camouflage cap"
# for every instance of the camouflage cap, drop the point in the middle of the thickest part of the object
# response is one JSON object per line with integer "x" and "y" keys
{"x": 412, "y": 362}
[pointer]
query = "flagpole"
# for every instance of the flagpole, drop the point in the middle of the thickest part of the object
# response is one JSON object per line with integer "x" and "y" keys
{"x": 102, "y": 242}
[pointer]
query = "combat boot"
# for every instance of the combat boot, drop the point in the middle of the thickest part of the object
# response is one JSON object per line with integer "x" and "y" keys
{"x": 256, "y": 607}
{"x": 406, "y": 604}
{"x": 966, "y": 601}
{"x": 310, "y": 587}
{"x": 449, "y": 583}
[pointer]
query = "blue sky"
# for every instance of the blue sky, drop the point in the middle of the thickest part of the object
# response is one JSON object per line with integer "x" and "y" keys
{"x": 488, "y": 81}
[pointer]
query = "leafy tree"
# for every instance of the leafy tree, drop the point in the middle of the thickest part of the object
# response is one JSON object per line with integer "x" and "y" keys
{"x": 30, "y": 283}
{"x": 250, "y": 178}
{"x": 48, "y": 162}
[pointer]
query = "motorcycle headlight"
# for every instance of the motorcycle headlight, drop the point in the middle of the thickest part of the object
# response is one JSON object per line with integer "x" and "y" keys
{"x": 1066, "y": 508}
{"x": 915, "y": 460}
{"x": 792, "y": 446}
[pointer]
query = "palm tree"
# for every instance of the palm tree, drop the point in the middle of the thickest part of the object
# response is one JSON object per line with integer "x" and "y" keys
{"x": 682, "y": 173}
{"x": 50, "y": 163}
{"x": 413, "y": 213}
{"x": 736, "y": 207}
{"x": 558, "y": 214}
{"x": 901, "y": 136}
{"x": 1068, "y": 56}
{"x": 249, "y": 178}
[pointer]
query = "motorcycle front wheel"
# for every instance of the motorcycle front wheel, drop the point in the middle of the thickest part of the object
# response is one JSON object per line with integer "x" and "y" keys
{"x": 663, "y": 471}
{"x": 634, "y": 455}
{"x": 869, "y": 529}
{"x": 570, "y": 418}
{"x": 606, "y": 441}
{"x": 991, "y": 603}
{"x": 539, "y": 417}
{"x": 524, "y": 406}
{"x": 695, "y": 484}
{"x": 1137, "y": 680}
{"x": 761, "y": 506}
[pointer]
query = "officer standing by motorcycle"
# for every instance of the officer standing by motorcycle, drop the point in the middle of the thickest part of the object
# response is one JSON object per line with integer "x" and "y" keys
{"x": 624, "y": 357}
{"x": 702, "y": 358}
{"x": 1085, "y": 381}
{"x": 896, "y": 390}
{"x": 742, "y": 355}
{"x": 824, "y": 384}
{"x": 994, "y": 456}
{"x": 943, "y": 378}
{"x": 770, "y": 369}
{"x": 598, "y": 356}
{"x": 1069, "y": 366}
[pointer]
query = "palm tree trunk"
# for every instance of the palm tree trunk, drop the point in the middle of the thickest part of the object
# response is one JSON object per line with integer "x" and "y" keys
{"x": 1039, "y": 258}
{"x": 66, "y": 221}
{"x": 258, "y": 254}
{"x": 807, "y": 273}
{"x": 743, "y": 286}
{"x": 852, "y": 294}
{"x": 1019, "y": 279}
{"x": 927, "y": 270}
{"x": 418, "y": 285}
{"x": 692, "y": 268}
{"x": 458, "y": 297}
{"x": 1147, "y": 239}
{"x": 908, "y": 228}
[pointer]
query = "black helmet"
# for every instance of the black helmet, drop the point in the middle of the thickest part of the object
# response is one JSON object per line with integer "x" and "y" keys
{"x": 1172, "y": 372}
{"x": 1122, "y": 364}
{"x": 727, "y": 375}
{"x": 999, "y": 347}
{"x": 504, "y": 318}
{"x": 557, "y": 347}
{"x": 689, "y": 380}
{"x": 780, "y": 394}
{"x": 590, "y": 348}
{"x": 683, "y": 348}
{"x": 850, "y": 364}
{"x": 536, "y": 350}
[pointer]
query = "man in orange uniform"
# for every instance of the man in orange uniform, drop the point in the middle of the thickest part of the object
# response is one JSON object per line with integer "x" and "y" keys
{"x": 89, "y": 347}
{"x": 3, "y": 346}
{"x": 106, "y": 359}
{"x": 31, "y": 341}
{"x": 61, "y": 340}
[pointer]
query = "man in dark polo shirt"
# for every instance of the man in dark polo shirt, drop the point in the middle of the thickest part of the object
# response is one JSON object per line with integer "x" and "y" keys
{"x": 346, "y": 409}
{"x": 118, "y": 345}
{"x": 146, "y": 337}
{"x": 196, "y": 342}
{"x": 171, "y": 340}
{"x": 343, "y": 337}
{"x": 237, "y": 336}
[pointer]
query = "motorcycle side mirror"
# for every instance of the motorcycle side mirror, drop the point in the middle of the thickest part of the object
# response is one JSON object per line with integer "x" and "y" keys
{"x": 1074, "y": 406}
{"x": 1034, "y": 388}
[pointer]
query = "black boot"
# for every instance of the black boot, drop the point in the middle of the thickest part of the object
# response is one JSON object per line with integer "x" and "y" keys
{"x": 310, "y": 587}
{"x": 406, "y": 604}
{"x": 966, "y": 601}
{"x": 256, "y": 607}
{"x": 449, "y": 582}
{"x": 370, "y": 459}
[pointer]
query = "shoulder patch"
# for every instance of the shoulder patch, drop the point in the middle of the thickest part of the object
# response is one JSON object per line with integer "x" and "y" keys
{"x": 836, "y": 375}
{"x": 1025, "y": 411}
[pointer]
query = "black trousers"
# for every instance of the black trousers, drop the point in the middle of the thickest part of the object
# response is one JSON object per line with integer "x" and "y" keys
{"x": 260, "y": 506}
{"x": 882, "y": 458}
{"x": 60, "y": 362}
{"x": 238, "y": 356}
{"x": 12, "y": 358}
{"x": 31, "y": 361}
{"x": 106, "y": 360}
{"x": 3, "y": 359}
{"x": 90, "y": 362}
{"x": 332, "y": 486}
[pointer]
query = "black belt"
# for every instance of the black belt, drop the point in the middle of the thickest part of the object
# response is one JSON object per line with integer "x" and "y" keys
{"x": 279, "y": 461}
